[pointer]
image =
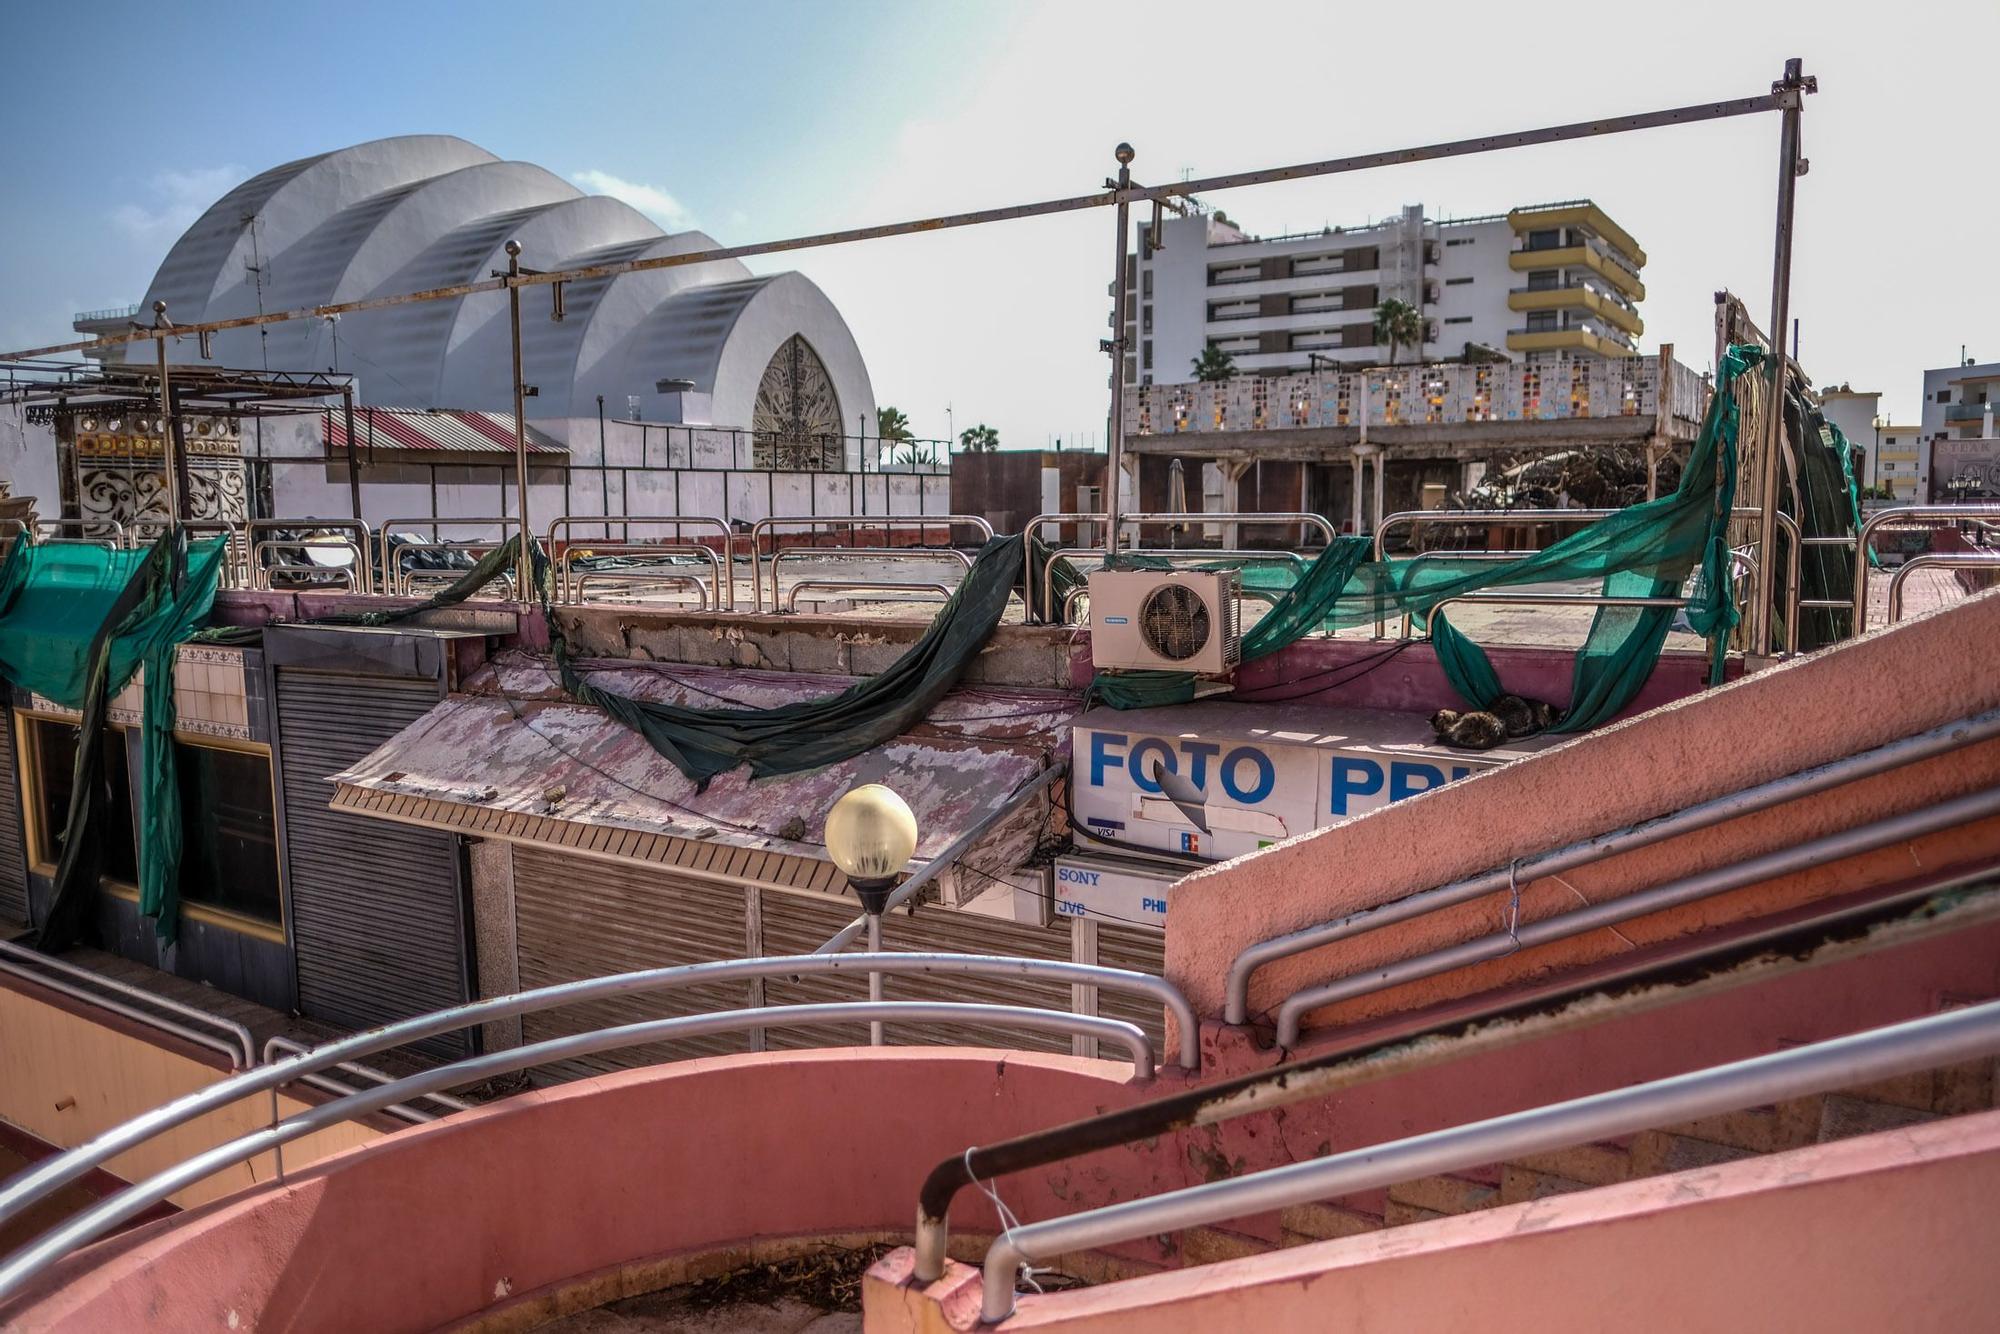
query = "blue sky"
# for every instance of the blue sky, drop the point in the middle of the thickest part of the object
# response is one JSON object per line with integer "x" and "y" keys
{"x": 758, "y": 120}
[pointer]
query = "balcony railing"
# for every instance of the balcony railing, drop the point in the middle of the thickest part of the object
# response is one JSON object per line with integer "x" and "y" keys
{"x": 109, "y": 313}
{"x": 1969, "y": 412}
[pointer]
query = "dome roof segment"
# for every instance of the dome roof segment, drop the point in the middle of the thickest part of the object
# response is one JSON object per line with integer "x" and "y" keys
{"x": 423, "y": 211}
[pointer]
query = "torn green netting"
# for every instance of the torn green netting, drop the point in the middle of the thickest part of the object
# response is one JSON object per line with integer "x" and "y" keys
{"x": 77, "y": 622}
{"x": 1647, "y": 551}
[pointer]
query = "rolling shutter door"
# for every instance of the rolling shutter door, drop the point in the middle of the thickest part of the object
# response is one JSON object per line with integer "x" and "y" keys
{"x": 1139, "y": 950}
{"x": 13, "y": 848}
{"x": 376, "y": 912}
{"x": 575, "y": 918}
{"x": 798, "y": 924}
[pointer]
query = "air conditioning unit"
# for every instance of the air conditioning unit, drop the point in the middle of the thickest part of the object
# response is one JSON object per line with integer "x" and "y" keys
{"x": 1166, "y": 620}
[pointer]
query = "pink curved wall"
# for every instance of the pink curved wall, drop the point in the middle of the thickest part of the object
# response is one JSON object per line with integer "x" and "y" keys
{"x": 1904, "y": 679}
{"x": 433, "y": 1224}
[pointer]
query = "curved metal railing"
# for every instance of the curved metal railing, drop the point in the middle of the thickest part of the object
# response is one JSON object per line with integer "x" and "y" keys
{"x": 1942, "y": 560}
{"x": 1864, "y": 542}
{"x": 723, "y": 597}
{"x": 813, "y": 522}
{"x": 40, "y": 1181}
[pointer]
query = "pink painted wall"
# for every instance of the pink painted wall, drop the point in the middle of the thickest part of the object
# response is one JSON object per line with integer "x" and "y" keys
{"x": 432, "y": 1223}
{"x": 1887, "y": 685}
{"x": 1886, "y": 1232}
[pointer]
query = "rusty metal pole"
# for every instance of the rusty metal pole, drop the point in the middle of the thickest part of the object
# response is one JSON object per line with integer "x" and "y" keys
{"x": 172, "y": 451}
{"x": 524, "y": 580}
{"x": 353, "y": 466}
{"x": 1114, "y": 442}
{"x": 1790, "y": 91}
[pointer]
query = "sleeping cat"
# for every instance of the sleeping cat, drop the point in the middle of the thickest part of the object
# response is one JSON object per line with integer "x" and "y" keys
{"x": 1509, "y": 717}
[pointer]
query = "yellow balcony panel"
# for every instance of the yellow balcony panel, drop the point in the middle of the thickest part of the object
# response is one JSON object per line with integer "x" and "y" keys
{"x": 1578, "y": 215}
{"x": 1617, "y": 275}
{"x": 1582, "y": 298}
{"x": 1566, "y": 340}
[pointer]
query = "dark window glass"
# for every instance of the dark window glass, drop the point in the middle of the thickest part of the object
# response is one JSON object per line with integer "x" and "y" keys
{"x": 55, "y": 758}
{"x": 229, "y": 839}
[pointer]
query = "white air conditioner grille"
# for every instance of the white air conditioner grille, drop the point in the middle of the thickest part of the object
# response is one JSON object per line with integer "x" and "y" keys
{"x": 1174, "y": 622}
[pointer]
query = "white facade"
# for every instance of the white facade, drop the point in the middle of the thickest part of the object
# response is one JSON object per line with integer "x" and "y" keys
{"x": 1959, "y": 405}
{"x": 1545, "y": 278}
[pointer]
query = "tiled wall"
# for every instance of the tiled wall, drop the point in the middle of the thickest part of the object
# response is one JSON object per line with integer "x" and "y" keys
{"x": 212, "y": 694}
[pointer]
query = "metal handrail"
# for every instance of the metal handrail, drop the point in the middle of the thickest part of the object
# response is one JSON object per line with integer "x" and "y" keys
{"x": 567, "y": 576}
{"x": 52, "y": 1174}
{"x": 724, "y": 597}
{"x": 648, "y": 578}
{"x": 1076, "y": 595}
{"x": 1304, "y": 518}
{"x": 1688, "y": 889}
{"x": 861, "y": 586}
{"x": 261, "y": 569}
{"x": 934, "y": 554}
{"x": 1028, "y": 532}
{"x": 1704, "y": 815}
{"x": 241, "y": 1048}
{"x": 810, "y": 522}
{"x": 117, "y": 538}
{"x": 19, "y": 1268}
{"x": 1864, "y": 541}
{"x": 276, "y": 1046}
{"x": 1943, "y": 560}
{"x": 1860, "y": 1058}
{"x": 399, "y": 576}
{"x": 363, "y": 538}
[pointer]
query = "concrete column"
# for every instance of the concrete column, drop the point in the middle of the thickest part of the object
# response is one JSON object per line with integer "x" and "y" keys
{"x": 1381, "y": 467}
{"x": 1232, "y": 471}
{"x": 1128, "y": 466}
{"x": 1360, "y": 487}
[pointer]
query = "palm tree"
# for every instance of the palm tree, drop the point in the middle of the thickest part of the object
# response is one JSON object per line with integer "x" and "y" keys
{"x": 980, "y": 439}
{"x": 892, "y": 425}
{"x": 1399, "y": 324}
{"x": 1214, "y": 364}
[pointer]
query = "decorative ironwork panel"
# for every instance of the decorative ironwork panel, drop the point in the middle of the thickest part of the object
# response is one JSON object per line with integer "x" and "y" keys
{"x": 796, "y": 423}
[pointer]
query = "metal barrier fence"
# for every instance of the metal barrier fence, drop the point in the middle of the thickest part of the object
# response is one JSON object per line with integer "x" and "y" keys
{"x": 811, "y": 523}
{"x": 723, "y": 593}
{"x": 1864, "y": 543}
{"x": 230, "y": 1038}
{"x": 1951, "y": 560}
{"x": 38, "y": 1182}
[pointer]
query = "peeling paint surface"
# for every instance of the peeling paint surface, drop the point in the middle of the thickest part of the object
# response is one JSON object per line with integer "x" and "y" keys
{"x": 514, "y": 742}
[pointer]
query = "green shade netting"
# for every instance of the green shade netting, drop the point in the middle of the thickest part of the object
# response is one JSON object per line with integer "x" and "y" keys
{"x": 76, "y": 623}
{"x": 702, "y": 743}
{"x": 1645, "y": 551}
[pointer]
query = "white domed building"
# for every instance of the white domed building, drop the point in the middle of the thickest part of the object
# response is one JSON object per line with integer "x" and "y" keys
{"x": 416, "y": 212}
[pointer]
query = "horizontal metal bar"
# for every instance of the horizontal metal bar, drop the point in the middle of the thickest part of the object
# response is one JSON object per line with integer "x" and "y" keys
{"x": 957, "y": 848}
{"x": 280, "y": 1045}
{"x": 1704, "y": 815}
{"x": 21, "y": 1267}
{"x": 639, "y": 578}
{"x": 1625, "y": 907}
{"x": 1304, "y": 518}
{"x": 1944, "y": 560}
{"x": 725, "y": 585}
{"x": 1687, "y": 115}
{"x": 1884, "y": 1053}
{"x": 859, "y": 586}
{"x": 26, "y": 963}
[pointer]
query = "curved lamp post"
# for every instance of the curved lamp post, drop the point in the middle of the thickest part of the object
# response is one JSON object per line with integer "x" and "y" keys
{"x": 871, "y": 835}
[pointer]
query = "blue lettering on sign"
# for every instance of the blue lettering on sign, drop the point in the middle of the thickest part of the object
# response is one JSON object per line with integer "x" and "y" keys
{"x": 1353, "y": 778}
{"x": 1142, "y": 772}
{"x": 1247, "y": 774}
{"x": 1407, "y": 778}
{"x": 1101, "y": 757}
{"x": 1068, "y": 909}
{"x": 1152, "y": 905}
{"x": 1070, "y": 875}
{"x": 1267, "y": 775}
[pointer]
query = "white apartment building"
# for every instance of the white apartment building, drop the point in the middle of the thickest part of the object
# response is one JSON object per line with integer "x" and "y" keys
{"x": 1543, "y": 278}
{"x": 1960, "y": 449}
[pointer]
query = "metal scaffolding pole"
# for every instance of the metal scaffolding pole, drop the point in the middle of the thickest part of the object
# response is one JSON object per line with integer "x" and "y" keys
{"x": 524, "y": 581}
{"x": 1790, "y": 92}
{"x": 1114, "y": 441}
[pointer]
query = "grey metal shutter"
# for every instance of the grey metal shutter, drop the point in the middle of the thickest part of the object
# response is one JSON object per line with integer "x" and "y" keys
{"x": 13, "y": 838}
{"x": 375, "y": 908}
{"x": 1141, "y": 950}
{"x": 797, "y": 924}
{"x": 575, "y": 917}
